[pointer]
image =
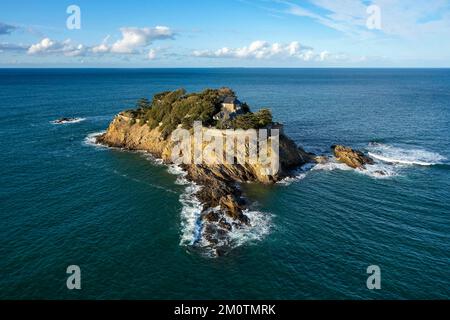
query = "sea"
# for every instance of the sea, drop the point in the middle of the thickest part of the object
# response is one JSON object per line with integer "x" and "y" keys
{"x": 128, "y": 221}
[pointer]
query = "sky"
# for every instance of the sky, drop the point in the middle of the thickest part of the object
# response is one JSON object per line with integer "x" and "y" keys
{"x": 225, "y": 33}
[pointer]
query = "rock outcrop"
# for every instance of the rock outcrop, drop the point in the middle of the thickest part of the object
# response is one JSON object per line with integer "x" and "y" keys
{"x": 353, "y": 158}
{"x": 220, "y": 195}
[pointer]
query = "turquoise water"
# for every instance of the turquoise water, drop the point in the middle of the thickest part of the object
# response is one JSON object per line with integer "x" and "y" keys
{"x": 118, "y": 215}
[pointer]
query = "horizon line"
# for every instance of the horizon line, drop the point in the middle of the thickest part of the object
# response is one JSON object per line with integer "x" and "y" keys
{"x": 156, "y": 68}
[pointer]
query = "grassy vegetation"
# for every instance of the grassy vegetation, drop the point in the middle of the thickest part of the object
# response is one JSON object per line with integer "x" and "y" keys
{"x": 172, "y": 108}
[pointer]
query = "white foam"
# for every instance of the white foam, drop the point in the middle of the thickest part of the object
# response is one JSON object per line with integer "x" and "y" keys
{"x": 403, "y": 156}
{"x": 379, "y": 171}
{"x": 258, "y": 228}
{"x": 91, "y": 139}
{"x": 191, "y": 207}
{"x": 178, "y": 171}
{"x": 389, "y": 161}
{"x": 190, "y": 215}
{"x": 289, "y": 180}
{"x": 393, "y": 160}
{"x": 148, "y": 156}
{"x": 297, "y": 175}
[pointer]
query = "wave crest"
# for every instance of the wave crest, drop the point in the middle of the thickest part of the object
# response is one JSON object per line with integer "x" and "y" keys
{"x": 398, "y": 155}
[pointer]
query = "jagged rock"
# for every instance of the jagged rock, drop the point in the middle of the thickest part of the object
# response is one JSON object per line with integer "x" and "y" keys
{"x": 321, "y": 159}
{"x": 291, "y": 155}
{"x": 352, "y": 158}
{"x": 225, "y": 225}
{"x": 231, "y": 206}
{"x": 212, "y": 216}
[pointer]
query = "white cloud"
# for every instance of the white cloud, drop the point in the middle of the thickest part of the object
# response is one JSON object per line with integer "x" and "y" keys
{"x": 49, "y": 46}
{"x": 324, "y": 55}
{"x": 265, "y": 50}
{"x": 74, "y": 51}
{"x": 44, "y": 45}
{"x": 103, "y": 47}
{"x": 134, "y": 38}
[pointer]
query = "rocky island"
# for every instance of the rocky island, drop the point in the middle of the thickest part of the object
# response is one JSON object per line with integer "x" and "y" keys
{"x": 152, "y": 125}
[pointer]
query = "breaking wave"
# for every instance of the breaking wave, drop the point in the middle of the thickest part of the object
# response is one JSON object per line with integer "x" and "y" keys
{"x": 260, "y": 224}
{"x": 389, "y": 161}
{"x": 259, "y": 228}
{"x": 91, "y": 139}
{"x": 192, "y": 226}
{"x": 191, "y": 208}
{"x": 296, "y": 175}
{"x": 377, "y": 170}
{"x": 397, "y": 155}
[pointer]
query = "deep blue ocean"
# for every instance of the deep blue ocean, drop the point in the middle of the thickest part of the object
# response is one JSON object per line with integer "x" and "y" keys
{"x": 121, "y": 216}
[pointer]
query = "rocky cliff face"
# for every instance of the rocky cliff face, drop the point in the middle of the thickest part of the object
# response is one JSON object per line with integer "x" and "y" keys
{"x": 223, "y": 202}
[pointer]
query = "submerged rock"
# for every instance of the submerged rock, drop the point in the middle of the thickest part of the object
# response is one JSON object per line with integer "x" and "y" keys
{"x": 321, "y": 159}
{"x": 353, "y": 158}
{"x": 66, "y": 120}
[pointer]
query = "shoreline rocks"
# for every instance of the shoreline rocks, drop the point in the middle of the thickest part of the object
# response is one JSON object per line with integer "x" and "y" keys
{"x": 353, "y": 158}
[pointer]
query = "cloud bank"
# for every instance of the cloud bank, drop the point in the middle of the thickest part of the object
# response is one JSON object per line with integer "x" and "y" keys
{"x": 132, "y": 41}
{"x": 264, "y": 50}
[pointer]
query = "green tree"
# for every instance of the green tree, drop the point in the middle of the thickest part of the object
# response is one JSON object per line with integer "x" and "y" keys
{"x": 143, "y": 103}
{"x": 263, "y": 118}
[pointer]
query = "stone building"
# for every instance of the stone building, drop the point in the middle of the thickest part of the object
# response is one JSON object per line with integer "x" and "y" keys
{"x": 231, "y": 107}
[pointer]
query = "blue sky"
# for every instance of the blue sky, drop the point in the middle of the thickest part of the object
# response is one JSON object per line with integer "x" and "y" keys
{"x": 226, "y": 33}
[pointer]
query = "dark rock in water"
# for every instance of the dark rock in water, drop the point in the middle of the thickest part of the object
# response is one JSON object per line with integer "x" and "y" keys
{"x": 352, "y": 158}
{"x": 221, "y": 251}
{"x": 224, "y": 224}
{"x": 321, "y": 159}
{"x": 230, "y": 205}
{"x": 66, "y": 120}
{"x": 221, "y": 234}
{"x": 212, "y": 216}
